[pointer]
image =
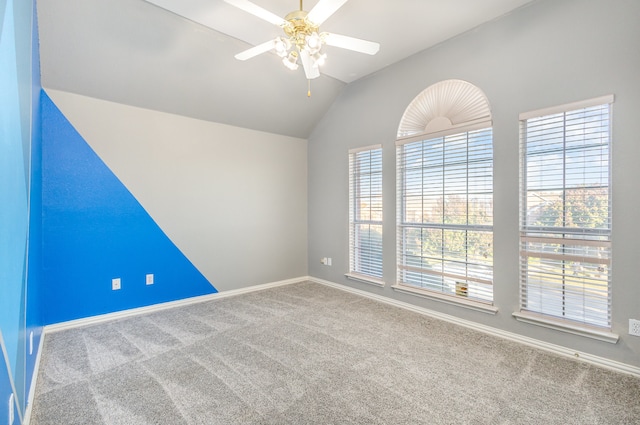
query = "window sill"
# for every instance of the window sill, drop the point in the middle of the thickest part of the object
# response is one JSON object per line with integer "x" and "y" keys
{"x": 365, "y": 279}
{"x": 566, "y": 326}
{"x": 448, "y": 299}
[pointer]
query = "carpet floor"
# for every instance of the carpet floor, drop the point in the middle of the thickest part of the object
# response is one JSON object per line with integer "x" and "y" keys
{"x": 310, "y": 354}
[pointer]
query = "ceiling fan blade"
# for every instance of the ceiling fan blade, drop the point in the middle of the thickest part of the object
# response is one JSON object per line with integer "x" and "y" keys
{"x": 310, "y": 70}
{"x": 255, "y": 51}
{"x": 323, "y": 10}
{"x": 350, "y": 43}
{"x": 256, "y": 10}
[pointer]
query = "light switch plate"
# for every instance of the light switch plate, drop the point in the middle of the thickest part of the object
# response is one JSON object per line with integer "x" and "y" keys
{"x": 11, "y": 409}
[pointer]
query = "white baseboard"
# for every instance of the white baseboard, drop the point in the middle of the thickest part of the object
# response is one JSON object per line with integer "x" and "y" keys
{"x": 34, "y": 381}
{"x": 163, "y": 306}
{"x": 553, "y": 348}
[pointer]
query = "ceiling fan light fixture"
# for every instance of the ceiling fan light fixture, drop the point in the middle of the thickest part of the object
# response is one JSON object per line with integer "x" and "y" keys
{"x": 313, "y": 43}
{"x": 282, "y": 46}
{"x": 291, "y": 61}
{"x": 319, "y": 58}
{"x": 303, "y": 38}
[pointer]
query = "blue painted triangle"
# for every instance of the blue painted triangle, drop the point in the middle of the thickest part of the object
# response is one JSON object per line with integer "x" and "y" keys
{"x": 94, "y": 230}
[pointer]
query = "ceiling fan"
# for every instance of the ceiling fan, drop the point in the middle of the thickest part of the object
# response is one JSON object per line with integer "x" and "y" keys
{"x": 303, "y": 39}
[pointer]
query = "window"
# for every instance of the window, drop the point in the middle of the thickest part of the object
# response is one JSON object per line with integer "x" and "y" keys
{"x": 445, "y": 196}
{"x": 365, "y": 214}
{"x": 445, "y": 233}
{"x": 565, "y": 210}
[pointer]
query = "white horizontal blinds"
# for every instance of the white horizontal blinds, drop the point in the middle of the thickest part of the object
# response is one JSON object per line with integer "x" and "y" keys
{"x": 365, "y": 211}
{"x": 445, "y": 210}
{"x": 565, "y": 243}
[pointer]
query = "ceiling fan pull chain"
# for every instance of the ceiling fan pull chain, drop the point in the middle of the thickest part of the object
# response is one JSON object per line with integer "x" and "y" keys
{"x": 308, "y": 88}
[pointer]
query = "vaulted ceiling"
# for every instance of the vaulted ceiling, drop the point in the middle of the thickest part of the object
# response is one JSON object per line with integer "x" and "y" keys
{"x": 177, "y": 56}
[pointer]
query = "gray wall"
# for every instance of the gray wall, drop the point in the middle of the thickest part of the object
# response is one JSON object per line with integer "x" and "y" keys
{"x": 233, "y": 200}
{"x": 548, "y": 53}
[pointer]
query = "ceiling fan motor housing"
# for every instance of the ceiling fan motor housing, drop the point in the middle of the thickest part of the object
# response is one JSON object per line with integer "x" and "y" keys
{"x": 299, "y": 27}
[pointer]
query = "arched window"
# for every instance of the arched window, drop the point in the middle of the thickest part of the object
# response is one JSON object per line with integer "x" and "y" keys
{"x": 445, "y": 194}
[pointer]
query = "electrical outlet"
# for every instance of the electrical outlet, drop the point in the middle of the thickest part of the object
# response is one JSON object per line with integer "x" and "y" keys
{"x": 634, "y": 327}
{"x": 149, "y": 279}
{"x": 116, "y": 284}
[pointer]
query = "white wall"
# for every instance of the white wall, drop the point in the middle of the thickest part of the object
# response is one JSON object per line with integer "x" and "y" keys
{"x": 233, "y": 200}
{"x": 548, "y": 53}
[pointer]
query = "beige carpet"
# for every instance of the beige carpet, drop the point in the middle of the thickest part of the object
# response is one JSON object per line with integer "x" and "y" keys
{"x": 310, "y": 354}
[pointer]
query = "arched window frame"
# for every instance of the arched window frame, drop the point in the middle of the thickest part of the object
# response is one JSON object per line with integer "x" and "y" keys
{"x": 454, "y": 115}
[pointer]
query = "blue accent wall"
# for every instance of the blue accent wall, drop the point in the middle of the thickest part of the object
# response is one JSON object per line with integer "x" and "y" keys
{"x": 65, "y": 216}
{"x": 34, "y": 320}
{"x": 94, "y": 230}
{"x": 13, "y": 193}
{"x": 19, "y": 193}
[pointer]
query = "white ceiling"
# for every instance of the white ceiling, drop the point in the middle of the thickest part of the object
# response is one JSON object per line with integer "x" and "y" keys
{"x": 402, "y": 27}
{"x": 145, "y": 53}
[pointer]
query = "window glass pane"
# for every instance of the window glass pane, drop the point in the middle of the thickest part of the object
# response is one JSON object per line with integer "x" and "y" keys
{"x": 480, "y": 250}
{"x": 445, "y": 240}
{"x": 365, "y": 212}
{"x": 480, "y": 209}
{"x": 566, "y": 216}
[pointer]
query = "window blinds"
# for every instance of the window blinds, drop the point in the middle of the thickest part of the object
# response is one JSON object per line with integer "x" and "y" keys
{"x": 565, "y": 209}
{"x": 365, "y": 211}
{"x": 445, "y": 213}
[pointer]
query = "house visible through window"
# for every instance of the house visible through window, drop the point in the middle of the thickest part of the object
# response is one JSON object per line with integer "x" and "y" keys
{"x": 365, "y": 214}
{"x": 565, "y": 209}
